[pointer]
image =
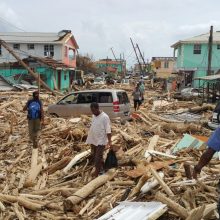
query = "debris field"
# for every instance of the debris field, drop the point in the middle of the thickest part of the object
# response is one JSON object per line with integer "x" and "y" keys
{"x": 55, "y": 182}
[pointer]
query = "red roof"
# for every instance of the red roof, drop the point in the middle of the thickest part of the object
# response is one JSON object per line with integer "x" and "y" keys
{"x": 111, "y": 69}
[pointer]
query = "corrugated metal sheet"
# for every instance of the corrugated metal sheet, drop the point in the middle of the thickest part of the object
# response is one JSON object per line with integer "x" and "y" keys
{"x": 212, "y": 77}
{"x": 135, "y": 211}
{"x": 182, "y": 117}
{"x": 4, "y": 85}
{"x": 203, "y": 38}
{"x": 29, "y": 37}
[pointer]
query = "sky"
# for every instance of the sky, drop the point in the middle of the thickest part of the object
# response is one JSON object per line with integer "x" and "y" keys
{"x": 99, "y": 25}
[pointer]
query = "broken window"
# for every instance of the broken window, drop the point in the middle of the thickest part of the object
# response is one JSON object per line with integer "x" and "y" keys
{"x": 197, "y": 49}
{"x": 16, "y": 46}
{"x": 48, "y": 50}
{"x": 30, "y": 46}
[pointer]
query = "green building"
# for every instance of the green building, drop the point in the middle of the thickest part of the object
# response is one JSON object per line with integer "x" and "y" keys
{"x": 111, "y": 66}
{"x": 55, "y": 74}
{"x": 192, "y": 57}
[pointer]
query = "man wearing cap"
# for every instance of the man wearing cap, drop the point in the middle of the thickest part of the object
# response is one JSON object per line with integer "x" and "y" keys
{"x": 35, "y": 117}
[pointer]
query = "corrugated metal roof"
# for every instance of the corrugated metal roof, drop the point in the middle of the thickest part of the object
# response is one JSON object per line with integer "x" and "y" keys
{"x": 212, "y": 77}
{"x": 38, "y": 37}
{"x": 31, "y": 37}
{"x": 135, "y": 210}
{"x": 5, "y": 85}
{"x": 203, "y": 38}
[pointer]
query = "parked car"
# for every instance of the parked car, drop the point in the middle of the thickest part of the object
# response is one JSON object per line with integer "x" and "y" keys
{"x": 214, "y": 122}
{"x": 99, "y": 81}
{"x": 113, "y": 102}
{"x": 190, "y": 92}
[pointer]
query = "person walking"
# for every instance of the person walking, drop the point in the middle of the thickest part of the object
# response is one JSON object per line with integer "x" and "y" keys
{"x": 141, "y": 87}
{"x": 137, "y": 97}
{"x": 99, "y": 136}
{"x": 35, "y": 117}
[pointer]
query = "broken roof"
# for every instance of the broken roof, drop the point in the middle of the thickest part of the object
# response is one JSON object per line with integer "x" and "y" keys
{"x": 38, "y": 37}
{"x": 203, "y": 38}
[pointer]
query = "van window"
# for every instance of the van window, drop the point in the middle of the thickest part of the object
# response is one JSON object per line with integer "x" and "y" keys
{"x": 122, "y": 97}
{"x": 105, "y": 97}
{"x": 70, "y": 99}
{"x": 87, "y": 98}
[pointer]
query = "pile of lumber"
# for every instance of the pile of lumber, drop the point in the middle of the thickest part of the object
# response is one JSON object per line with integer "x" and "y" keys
{"x": 55, "y": 182}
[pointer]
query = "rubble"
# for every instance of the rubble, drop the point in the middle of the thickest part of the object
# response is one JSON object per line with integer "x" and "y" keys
{"x": 55, "y": 182}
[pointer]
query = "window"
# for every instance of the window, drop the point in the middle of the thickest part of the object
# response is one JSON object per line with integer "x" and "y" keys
{"x": 70, "y": 99}
{"x": 30, "y": 46}
{"x": 87, "y": 98}
{"x": 197, "y": 49}
{"x": 16, "y": 46}
{"x": 166, "y": 64}
{"x": 218, "y": 46}
{"x": 122, "y": 97}
{"x": 105, "y": 97}
{"x": 49, "y": 50}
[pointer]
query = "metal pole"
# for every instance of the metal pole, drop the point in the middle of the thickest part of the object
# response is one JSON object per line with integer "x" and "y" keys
{"x": 39, "y": 83}
{"x": 209, "y": 72}
{"x": 142, "y": 57}
{"x": 113, "y": 53}
{"x": 136, "y": 55}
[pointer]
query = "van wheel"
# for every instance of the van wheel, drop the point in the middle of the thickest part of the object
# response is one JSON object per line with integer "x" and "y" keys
{"x": 54, "y": 115}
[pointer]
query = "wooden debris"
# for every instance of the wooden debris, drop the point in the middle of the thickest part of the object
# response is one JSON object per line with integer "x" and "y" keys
{"x": 87, "y": 189}
{"x": 38, "y": 183}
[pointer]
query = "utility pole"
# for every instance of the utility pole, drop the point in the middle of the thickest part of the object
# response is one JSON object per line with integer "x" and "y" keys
{"x": 136, "y": 55}
{"x": 113, "y": 53}
{"x": 209, "y": 72}
{"x": 142, "y": 57}
{"x": 35, "y": 75}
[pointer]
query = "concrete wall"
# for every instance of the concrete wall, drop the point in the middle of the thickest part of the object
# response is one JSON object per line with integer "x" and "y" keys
{"x": 187, "y": 60}
{"x": 163, "y": 71}
{"x": 69, "y": 58}
{"x": 46, "y": 73}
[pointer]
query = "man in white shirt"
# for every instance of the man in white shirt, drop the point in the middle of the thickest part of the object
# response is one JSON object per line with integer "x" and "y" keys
{"x": 99, "y": 136}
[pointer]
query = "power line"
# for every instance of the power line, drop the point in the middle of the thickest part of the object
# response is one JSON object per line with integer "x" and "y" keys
{"x": 12, "y": 25}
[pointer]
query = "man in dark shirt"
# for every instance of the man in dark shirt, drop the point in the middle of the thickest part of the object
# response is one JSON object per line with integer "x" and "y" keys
{"x": 35, "y": 117}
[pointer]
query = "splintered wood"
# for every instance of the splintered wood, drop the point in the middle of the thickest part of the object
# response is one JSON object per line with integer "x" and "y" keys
{"x": 55, "y": 181}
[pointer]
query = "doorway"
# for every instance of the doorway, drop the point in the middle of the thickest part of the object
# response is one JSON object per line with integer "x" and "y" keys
{"x": 59, "y": 79}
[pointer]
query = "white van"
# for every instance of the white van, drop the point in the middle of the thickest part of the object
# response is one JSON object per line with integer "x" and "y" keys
{"x": 113, "y": 102}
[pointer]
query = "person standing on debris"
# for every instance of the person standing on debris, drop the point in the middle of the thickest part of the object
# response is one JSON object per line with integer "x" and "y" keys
{"x": 35, "y": 117}
{"x": 141, "y": 87}
{"x": 99, "y": 136}
{"x": 213, "y": 146}
{"x": 137, "y": 95}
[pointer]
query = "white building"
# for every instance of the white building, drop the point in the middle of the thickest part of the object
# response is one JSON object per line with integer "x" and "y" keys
{"x": 60, "y": 46}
